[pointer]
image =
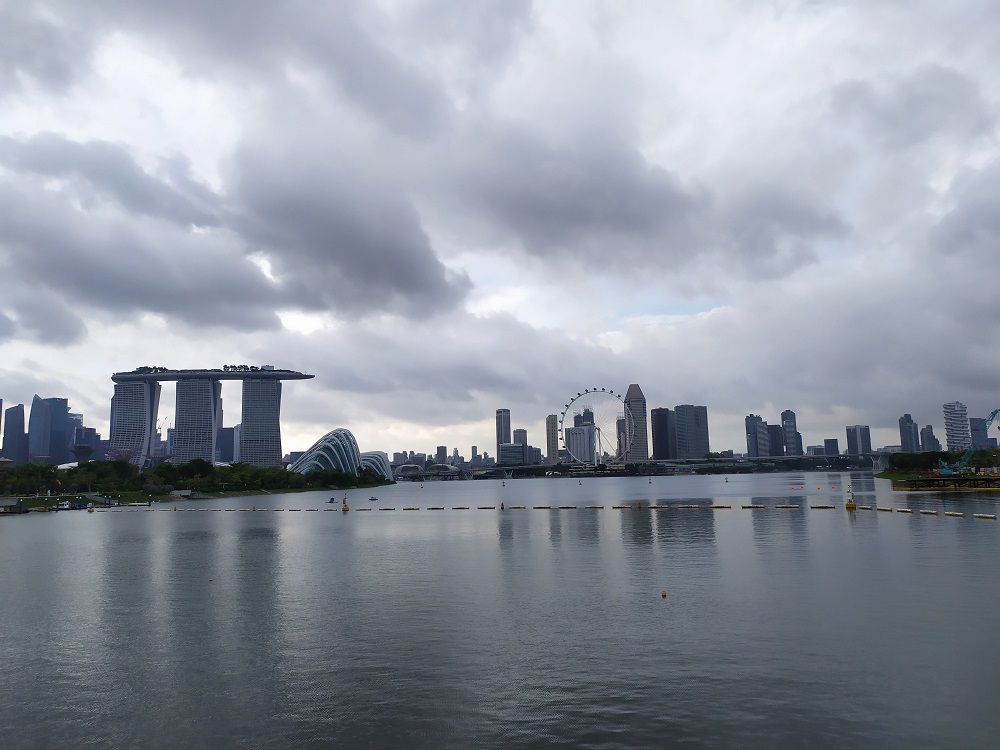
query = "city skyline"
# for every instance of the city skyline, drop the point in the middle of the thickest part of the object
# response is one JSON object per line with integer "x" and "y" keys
{"x": 750, "y": 206}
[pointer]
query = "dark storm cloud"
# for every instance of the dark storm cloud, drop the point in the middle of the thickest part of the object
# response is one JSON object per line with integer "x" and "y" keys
{"x": 343, "y": 240}
{"x": 930, "y": 100}
{"x": 127, "y": 266}
{"x": 111, "y": 171}
{"x": 39, "y": 47}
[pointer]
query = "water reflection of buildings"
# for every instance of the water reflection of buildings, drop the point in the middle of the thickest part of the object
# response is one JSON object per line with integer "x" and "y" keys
{"x": 773, "y": 526}
{"x": 637, "y": 527}
{"x": 686, "y": 526}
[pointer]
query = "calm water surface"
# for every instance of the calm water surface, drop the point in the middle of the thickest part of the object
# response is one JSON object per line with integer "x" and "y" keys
{"x": 520, "y": 628}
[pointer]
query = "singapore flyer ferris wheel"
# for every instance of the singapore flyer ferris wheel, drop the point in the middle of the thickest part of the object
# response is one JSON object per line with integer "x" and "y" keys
{"x": 596, "y": 427}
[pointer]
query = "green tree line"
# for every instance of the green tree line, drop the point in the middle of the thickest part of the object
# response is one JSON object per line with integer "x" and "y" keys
{"x": 196, "y": 475}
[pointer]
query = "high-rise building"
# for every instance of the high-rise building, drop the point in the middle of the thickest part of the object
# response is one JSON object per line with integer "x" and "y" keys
{"x": 928, "y": 441}
{"x": 133, "y": 420}
{"x": 580, "y": 442}
{"x": 909, "y": 435}
{"x": 977, "y": 430}
{"x": 15, "y": 439}
{"x": 758, "y": 440}
{"x": 664, "y": 428}
{"x": 197, "y": 420}
{"x": 859, "y": 440}
{"x": 790, "y": 437}
{"x": 691, "y": 430}
{"x": 49, "y": 431}
{"x": 441, "y": 454}
{"x": 552, "y": 438}
{"x": 225, "y": 445}
{"x": 635, "y": 403}
{"x": 260, "y": 427}
{"x": 521, "y": 436}
{"x": 512, "y": 454}
{"x": 503, "y": 428}
{"x": 831, "y": 447}
{"x": 775, "y": 440}
{"x": 956, "y": 426}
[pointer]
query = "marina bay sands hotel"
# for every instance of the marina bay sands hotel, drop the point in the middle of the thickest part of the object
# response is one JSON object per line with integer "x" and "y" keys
{"x": 198, "y": 415}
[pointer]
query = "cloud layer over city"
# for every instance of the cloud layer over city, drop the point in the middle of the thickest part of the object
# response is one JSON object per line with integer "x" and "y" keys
{"x": 440, "y": 208}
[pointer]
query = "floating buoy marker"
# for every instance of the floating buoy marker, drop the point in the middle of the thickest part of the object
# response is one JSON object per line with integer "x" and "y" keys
{"x": 663, "y": 594}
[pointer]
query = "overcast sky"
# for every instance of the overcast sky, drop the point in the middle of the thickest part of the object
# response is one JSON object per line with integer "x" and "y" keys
{"x": 444, "y": 207}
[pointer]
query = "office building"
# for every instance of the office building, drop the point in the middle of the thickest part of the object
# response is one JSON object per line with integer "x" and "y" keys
{"x": 512, "y": 454}
{"x": 441, "y": 454}
{"x": 831, "y": 447}
{"x": 520, "y": 436}
{"x": 552, "y": 438}
{"x": 503, "y": 428}
{"x": 956, "y": 426}
{"x": 15, "y": 439}
{"x": 635, "y": 417}
{"x": 928, "y": 440}
{"x": 691, "y": 431}
{"x": 664, "y": 430}
{"x": 758, "y": 440}
{"x": 225, "y": 445}
{"x": 790, "y": 437}
{"x": 775, "y": 440}
{"x": 977, "y": 432}
{"x": 859, "y": 440}
{"x": 49, "y": 431}
{"x": 580, "y": 443}
{"x": 909, "y": 435}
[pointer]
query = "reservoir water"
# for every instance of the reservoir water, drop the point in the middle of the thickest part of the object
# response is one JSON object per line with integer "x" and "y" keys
{"x": 303, "y": 628}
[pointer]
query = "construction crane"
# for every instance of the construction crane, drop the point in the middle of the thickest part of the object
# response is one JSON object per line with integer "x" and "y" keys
{"x": 946, "y": 470}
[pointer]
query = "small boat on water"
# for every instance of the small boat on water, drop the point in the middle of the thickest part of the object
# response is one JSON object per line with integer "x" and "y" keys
{"x": 373, "y": 499}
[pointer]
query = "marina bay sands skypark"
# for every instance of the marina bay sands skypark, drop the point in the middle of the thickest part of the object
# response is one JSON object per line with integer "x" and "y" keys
{"x": 198, "y": 415}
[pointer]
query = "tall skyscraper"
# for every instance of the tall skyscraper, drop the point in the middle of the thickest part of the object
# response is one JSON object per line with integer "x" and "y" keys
{"x": 635, "y": 403}
{"x": 552, "y": 438}
{"x": 928, "y": 440}
{"x": 196, "y": 420}
{"x": 664, "y": 428}
{"x": 831, "y": 447}
{"x": 977, "y": 429}
{"x": 48, "y": 431}
{"x": 859, "y": 440}
{"x": 758, "y": 440}
{"x": 956, "y": 426}
{"x": 580, "y": 442}
{"x": 909, "y": 435}
{"x": 260, "y": 427}
{"x": 503, "y": 428}
{"x": 441, "y": 454}
{"x": 691, "y": 430}
{"x": 133, "y": 420}
{"x": 15, "y": 439}
{"x": 790, "y": 437}
{"x": 775, "y": 440}
{"x": 521, "y": 436}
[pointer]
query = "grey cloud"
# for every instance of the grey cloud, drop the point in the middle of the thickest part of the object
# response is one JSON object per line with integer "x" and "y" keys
{"x": 37, "y": 47}
{"x": 255, "y": 40}
{"x": 7, "y": 327}
{"x": 45, "y": 317}
{"x": 485, "y": 32}
{"x": 772, "y": 231}
{"x": 342, "y": 240}
{"x": 590, "y": 200}
{"x": 929, "y": 101}
{"x": 113, "y": 172}
{"x": 129, "y": 267}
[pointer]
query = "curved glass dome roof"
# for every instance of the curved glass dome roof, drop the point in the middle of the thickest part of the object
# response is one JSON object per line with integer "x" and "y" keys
{"x": 338, "y": 450}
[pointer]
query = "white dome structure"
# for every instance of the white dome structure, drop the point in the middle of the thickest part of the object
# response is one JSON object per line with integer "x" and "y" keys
{"x": 338, "y": 450}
